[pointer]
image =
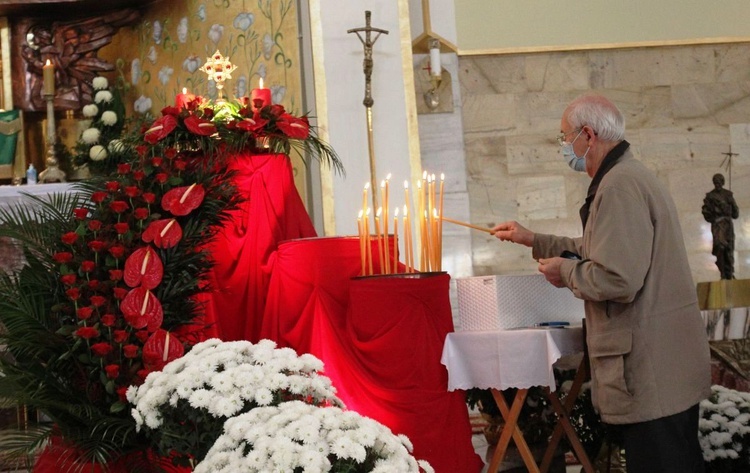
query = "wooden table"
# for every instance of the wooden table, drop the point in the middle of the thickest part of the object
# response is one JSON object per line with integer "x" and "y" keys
{"x": 499, "y": 360}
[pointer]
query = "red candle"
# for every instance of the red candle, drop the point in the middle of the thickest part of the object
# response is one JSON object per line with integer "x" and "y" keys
{"x": 183, "y": 99}
{"x": 260, "y": 97}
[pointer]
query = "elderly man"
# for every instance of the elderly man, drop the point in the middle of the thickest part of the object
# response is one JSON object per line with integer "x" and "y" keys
{"x": 647, "y": 345}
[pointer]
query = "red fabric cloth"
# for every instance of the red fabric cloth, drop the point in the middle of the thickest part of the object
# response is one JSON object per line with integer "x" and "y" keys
{"x": 272, "y": 212}
{"x": 380, "y": 338}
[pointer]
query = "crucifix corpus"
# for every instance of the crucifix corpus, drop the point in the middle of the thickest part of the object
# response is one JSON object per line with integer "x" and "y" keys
{"x": 368, "y": 41}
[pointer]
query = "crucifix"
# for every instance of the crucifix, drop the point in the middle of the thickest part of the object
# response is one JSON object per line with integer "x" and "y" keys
{"x": 727, "y": 162}
{"x": 368, "y": 41}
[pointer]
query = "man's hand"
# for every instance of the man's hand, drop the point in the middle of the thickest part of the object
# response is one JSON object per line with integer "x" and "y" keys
{"x": 515, "y": 232}
{"x": 550, "y": 267}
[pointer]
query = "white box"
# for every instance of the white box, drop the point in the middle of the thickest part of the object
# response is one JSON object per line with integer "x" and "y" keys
{"x": 511, "y": 301}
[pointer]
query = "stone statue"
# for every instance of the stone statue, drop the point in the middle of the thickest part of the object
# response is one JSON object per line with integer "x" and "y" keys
{"x": 719, "y": 208}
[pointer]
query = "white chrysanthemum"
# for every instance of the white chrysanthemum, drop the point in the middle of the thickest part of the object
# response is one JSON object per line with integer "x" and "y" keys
{"x": 109, "y": 118}
{"x": 100, "y": 83}
{"x": 98, "y": 153}
{"x": 91, "y": 136}
{"x": 103, "y": 96}
{"x": 90, "y": 110}
{"x": 116, "y": 146}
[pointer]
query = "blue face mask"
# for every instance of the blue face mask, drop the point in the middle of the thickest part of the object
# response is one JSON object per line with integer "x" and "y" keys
{"x": 576, "y": 163}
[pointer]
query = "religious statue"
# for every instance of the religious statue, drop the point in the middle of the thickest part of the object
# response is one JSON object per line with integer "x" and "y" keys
{"x": 719, "y": 208}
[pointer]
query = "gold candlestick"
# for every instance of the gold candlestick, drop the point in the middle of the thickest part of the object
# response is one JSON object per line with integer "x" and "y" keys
{"x": 52, "y": 173}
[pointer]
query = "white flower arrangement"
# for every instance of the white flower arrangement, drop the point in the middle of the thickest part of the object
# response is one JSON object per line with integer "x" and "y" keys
{"x": 724, "y": 430}
{"x": 295, "y": 436}
{"x": 218, "y": 380}
{"x": 107, "y": 120}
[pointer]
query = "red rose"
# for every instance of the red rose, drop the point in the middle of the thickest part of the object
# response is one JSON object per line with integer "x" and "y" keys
{"x": 117, "y": 251}
{"x": 73, "y": 293}
{"x": 96, "y": 245}
{"x": 156, "y": 161}
{"x": 115, "y": 274}
{"x": 93, "y": 284}
{"x": 141, "y": 150}
{"x": 88, "y": 266}
{"x": 170, "y": 110}
{"x": 101, "y": 349}
{"x": 141, "y": 213}
{"x": 179, "y": 164}
{"x": 130, "y": 351}
{"x": 122, "y": 228}
{"x": 142, "y": 374}
{"x": 98, "y": 301}
{"x": 120, "y": 293}
{"x": 98, "y": 197}
{"x": 122, "y": 393}
{"x": 112, "y": 186}
{"x": 119, "y": 206}
{"x": 142, "y": 335}
{"x": 139, "y": 175}
{"x": 95, "y": 225}
{"x": 132, "y": 191}
{"x": 149, "y": 197}
{"x": 63, "y": 257}
{"x": 199, "y": 126}
{"x": 123, "y": 168}
{"x": 161, "y": 177}
{"x": 294, "y": 127}
{"x": 108, "y": 320}
{"x": 69, "y": 238}
{"x": 80, "y": 213}
{"x": 170, "y": 153}
{"x": 87, "y": 333}
{"x": 120, "y": 336}
{"x": 68, "y": 279}
{"x": 84, "y": 313}
{"x": 113, "y": 371}
{"x": 160, "y": 129}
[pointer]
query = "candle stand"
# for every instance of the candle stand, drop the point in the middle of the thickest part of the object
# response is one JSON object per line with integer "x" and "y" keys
{"x": 52, "y": 172}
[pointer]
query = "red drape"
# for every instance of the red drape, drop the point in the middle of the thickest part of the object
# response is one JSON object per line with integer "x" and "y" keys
{"x": 272, "y": 212}
{"x": 380, "y": 339}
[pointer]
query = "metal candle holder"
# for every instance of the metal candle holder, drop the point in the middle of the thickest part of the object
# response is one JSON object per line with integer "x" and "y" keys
{"x": 52, "y": 172}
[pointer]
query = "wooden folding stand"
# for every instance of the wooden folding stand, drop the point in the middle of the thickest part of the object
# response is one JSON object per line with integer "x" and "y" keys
{"x": 563, "y": 426}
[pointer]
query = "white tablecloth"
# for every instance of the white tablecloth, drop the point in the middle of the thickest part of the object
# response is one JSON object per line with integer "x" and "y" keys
{"x": 12, "y": 194}
{"x": 507, "y": 358}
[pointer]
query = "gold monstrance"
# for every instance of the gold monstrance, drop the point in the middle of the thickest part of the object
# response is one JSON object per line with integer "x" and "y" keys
{"x": 368, "y": 41}
{"x": 218, "y": 69}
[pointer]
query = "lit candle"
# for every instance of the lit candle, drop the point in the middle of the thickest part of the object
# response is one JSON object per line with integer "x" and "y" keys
{"x": 182, "y": 100}
{"x": 368, "y": 242}
{"x": 260, "y": 97}
{"x": 440, "y": 224}
{"x": 407, "y": 242}
{"x": 436, "y": 69}
{"x": 48, "y": 74}
{"x": 362, "y": 251}
{"x": 380, "y": 239}
{"x": 364, "y": 197}
{"x": 395, "y": 241}
{"x": 384, "y": 197}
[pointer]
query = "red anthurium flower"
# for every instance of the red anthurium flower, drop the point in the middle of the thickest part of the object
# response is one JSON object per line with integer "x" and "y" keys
{"x": 294, "y": 127}
{"x": 142, "y": 309}
{"x": 68, "y": 279}
{"x": 73, "y": 293}
{"x": 130, "y": 351}
{"x": 98, "y": 301}
{"x": 170, "y": 110}
{"x": 98, "y": 197}
{"x": 84, "y": 313}
{"x": 95, "y": 225}
{"x": 164, "y": 233}
{"x": 160, "y": 129}
{"x": 80, "y": 213}
{"x": 69, "y": 238}
{"x": 252, "y": 124}
{"x": 183, "y": 200}
{"x": 143, "y": 268}
{"x": 112, "y": 186}
{"x": 199, "y": 126}
{"x": 119, "y": 336}
{"x": 108, "y": 320}
{"x": 63, "y": 257}
{"x": 113, "y": 371}
{"x": 118, "y": 206}
{"x": 123, "y": 168}
{"x": 101, "y": 349}
{"x": 87, "y": 333}
{"x": 161, "y": 348}
{"x": 141, "y": 213}
{"x": 117, "y": 251}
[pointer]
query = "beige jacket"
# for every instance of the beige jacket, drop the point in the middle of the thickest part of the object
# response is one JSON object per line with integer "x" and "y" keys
{"x": 647, "y": 344}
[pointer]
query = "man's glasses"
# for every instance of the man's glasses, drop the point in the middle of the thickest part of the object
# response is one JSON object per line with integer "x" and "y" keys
{"x": 561, "y": 138}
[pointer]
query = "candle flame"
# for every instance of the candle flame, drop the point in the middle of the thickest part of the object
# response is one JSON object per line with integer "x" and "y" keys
{"x": 184, "y": 90}
{"x": 388, "y": 177}
{"x": 380, "y": 210}
{"x": 406, "y": 211}
{"x": 424, "y": 175}
{"x": 406, "y": 184}
{"x": 442, "y": 176}
{"x": 382, "y": 183}
{"x": 359, "y": 215}
{"x": 367, "y": 185}
{"x": 395, "y": 214}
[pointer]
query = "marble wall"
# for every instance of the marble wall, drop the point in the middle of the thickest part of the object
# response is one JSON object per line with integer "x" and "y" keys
{"x": 685, "y": 107}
